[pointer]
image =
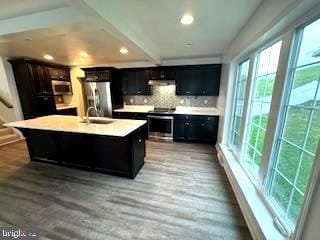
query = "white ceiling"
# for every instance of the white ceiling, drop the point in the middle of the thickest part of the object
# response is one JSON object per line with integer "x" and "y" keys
{"x": 216, "y": 23}
{"x": 15, "y": 8}
{"x": 150, "y": 29}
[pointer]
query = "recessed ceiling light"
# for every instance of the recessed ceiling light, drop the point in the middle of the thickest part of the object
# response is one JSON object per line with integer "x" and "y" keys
{"x": 84, "y": 54}
{"x": 48, "y": 57}
{"x": 186, "y": 19}
{"x": 124, "y": 50}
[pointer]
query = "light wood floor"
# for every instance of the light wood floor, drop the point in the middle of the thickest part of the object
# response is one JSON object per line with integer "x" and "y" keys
{"x": 181, "y": 193}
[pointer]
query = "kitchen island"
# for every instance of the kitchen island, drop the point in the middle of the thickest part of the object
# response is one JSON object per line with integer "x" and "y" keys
{"x": 112, "y": 146}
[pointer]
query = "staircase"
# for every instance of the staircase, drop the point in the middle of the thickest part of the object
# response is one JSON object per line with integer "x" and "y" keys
{"x": 7, "y": 135}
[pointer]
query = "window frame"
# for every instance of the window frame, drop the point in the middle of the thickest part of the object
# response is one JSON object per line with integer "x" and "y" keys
{"x": 291, "y": 67}
{"x": 273, "y": 127}
{"x": 237, "y": 149}
{"x": 249, "y": 95}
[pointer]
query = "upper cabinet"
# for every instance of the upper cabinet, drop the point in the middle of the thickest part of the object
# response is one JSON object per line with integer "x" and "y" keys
{"x": 192, "y": 80}
{"x": 162, "y": 73}
{"x": 135, "y": 82}
{"x": 40, "y": 80}
{"x": 200, "y": 80}
{"x": 33, "y": 81}
{"x": 59, "y": 74}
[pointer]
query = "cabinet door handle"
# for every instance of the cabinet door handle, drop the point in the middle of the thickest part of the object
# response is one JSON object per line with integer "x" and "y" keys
{"x": 202, "y": 124}
{"x": 187, "y": 124}
{"x": 140, "y": 140}
{"x": 138, "y": 92}
{"x": 187, "y": 91}
{"x": 203, "y": 91}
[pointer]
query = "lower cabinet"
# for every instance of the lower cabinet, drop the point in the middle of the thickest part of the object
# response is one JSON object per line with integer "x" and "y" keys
{"x": 67, "y": 111}
{"x": 196, "y": 128}
{"x": 121, "y": 156}
{"x": 130, "y": 115}
{"x": 43, "y": 146}
{"x": 75, "y": 149}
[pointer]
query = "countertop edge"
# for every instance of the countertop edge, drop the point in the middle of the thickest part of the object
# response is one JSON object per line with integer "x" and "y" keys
{"x": 174, "y": 113}
{"x": 74, "y": 131}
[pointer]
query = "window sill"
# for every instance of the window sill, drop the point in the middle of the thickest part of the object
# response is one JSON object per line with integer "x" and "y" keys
{"x": 259, "y": 219}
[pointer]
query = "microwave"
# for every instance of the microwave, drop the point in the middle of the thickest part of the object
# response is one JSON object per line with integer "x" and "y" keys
{"x": 61, "y": 87}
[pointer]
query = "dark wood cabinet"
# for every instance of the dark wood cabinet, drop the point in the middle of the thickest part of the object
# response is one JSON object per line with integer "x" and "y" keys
{"x": 121, "y": 156}
{"x": 42, "y": 145}
{"x": 44, "y": 105}
{"x": 76, "y": 149}
{"x": 188, "y": 82}
{"x": 107, "y": 74}
{"x": 130, "y": 115}
{"x": 40, "y": 80}
{"x": 59, "y": 74}
{"x": 68, "y": 111}
{"x": 162, "y": 73}
{"x": 196, "y": 128}
{"x": 135, "y": 82}
{"x": 202, "y": 80}
{"x": 33, "y": 81}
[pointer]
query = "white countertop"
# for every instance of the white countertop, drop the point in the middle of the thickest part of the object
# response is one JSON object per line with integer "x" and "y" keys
{"x": 63, "y": 106}
{"x": 135, "y": 108}
{"x": 208, "y": 111}
{"x": 118, "y": 127}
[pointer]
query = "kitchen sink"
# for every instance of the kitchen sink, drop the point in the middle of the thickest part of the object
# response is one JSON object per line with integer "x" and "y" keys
{"x": 98, "y": 121}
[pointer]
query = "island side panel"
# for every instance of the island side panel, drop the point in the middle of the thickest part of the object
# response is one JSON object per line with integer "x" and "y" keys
{"x": 138, "y": 149}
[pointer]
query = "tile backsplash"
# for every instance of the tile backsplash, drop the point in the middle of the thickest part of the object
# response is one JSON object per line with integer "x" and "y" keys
{"x": 164, "y": 96}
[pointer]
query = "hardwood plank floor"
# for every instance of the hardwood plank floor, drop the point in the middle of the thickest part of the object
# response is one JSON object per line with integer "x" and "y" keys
{"x": 181, "y": 193}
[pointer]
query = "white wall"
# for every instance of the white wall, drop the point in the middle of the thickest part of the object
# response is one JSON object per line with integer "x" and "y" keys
{"x": 77, "y": 99}
{"x": 270, "y": 19}
{"x": 8, "y": 91}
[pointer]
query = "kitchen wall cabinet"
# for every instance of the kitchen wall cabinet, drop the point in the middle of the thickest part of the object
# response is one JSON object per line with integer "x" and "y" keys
{"x": 59, "y": 74}
{"x": 33, "y": 81}
{"x": 202, "y": 80}
{"x": 107, "y": 74}
{"x": 135, "y": 82}
{"x": 40, "y": 80}
{"x": 162, "y": 73}
{"x": 195, "y": 128}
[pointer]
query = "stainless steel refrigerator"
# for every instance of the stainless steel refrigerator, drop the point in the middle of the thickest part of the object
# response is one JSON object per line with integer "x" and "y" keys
{"x": 99, "y": 96}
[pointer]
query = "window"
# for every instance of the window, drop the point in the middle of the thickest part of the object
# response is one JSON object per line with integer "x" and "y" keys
{"x": 300, "y": 132}
{"x": 238, "y": 102}
{"x": 263, "y": 83}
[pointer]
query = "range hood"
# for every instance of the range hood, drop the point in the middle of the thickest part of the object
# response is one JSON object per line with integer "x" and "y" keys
{"x": 161, "y": 82}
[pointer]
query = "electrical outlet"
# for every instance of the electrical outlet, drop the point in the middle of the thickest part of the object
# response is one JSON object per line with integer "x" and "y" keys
{"x": 182, "y": 101}
{"x": 206, "y": 101}
{"x": 131, "y": 100}
{"x": 145, "y": 100}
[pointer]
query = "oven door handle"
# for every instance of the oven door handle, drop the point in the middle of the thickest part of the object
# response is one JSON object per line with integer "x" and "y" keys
{"x": 161, "y": 117}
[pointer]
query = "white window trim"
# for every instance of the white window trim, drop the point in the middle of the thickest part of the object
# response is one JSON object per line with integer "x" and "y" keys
{"x": 237, "y": 150}
{"x": 256, "y": 213}
{"x": 260, "y": 188}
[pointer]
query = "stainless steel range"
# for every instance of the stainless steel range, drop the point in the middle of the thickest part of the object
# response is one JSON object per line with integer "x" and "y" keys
{"x": 160, "y": 121}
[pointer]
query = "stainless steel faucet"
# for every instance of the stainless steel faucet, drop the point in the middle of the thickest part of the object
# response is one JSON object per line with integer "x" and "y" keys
{"x": 88, "y": 111}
